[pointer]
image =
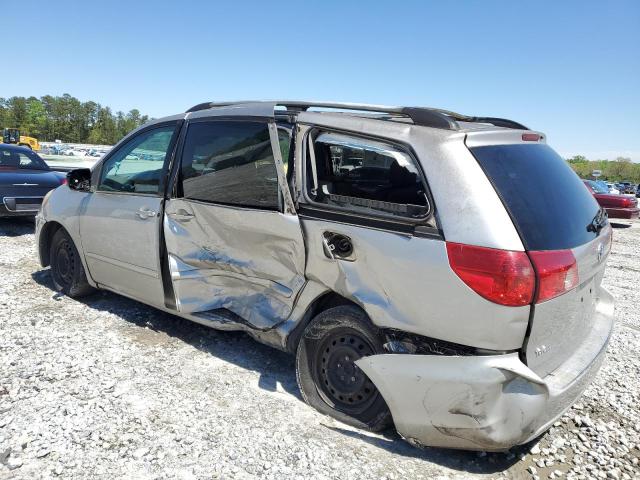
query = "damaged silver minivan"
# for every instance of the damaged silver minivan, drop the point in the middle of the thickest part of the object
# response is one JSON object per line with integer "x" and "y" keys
{"x": 434, "y": 270}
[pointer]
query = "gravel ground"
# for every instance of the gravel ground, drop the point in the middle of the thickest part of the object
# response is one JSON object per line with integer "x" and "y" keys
{"x": 110, "y": 388}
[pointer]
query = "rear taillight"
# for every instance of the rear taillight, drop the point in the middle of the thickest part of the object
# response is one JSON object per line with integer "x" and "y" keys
{"x": 627, "y": 201}
{"x": 501, "y": 276}
{"x": 509, "y": 278}
{"x": 63, "y": 181}
{"x": 556, "y": 271}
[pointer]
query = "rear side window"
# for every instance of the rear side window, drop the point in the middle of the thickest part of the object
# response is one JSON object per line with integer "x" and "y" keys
{"x": 11, "y": 159}
{"x": 364, "y": 175}
{"x": 230, "y": 162}
{"x": 550, "y": 206}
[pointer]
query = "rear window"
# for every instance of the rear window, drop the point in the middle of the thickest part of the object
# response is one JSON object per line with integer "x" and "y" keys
{"x": 549, "y": 205}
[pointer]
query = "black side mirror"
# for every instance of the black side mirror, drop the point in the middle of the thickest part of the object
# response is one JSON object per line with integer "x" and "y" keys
{"x": 79, "y": 179}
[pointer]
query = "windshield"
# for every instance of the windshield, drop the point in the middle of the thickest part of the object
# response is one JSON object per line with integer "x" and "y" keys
{"x": 597, "y": 187}
{"x": 547, "y": 201}
{"x": 12, "y": 159}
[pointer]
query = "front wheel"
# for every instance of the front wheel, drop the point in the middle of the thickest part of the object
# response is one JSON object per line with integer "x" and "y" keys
{"x": 328, "y": 377}
{"x": 67, "y": 271}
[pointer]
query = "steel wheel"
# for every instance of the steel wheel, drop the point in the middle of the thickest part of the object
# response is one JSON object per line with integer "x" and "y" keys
{"x": 67, "y": 271}
{"x": 64, "y": 263}
{"x": 326, "y": 369}
{"x": 341, "y": 382}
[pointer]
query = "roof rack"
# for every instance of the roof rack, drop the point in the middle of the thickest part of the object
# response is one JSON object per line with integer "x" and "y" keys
{"x": 498, "y": 122}
{"x": 426, "y": 117}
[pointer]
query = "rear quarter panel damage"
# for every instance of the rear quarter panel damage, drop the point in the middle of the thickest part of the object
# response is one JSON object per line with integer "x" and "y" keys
{"x": 487, "y": 402}
{"x": 405, "y": 282}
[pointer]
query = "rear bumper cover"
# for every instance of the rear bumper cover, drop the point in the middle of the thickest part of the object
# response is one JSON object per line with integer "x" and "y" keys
{"x": 484, "y": 402}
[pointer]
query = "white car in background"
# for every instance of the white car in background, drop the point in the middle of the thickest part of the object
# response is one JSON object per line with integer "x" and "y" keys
{"x": 612, "y": 188}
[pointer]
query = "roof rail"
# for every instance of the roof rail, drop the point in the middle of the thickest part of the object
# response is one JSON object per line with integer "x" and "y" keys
{"x": 420, "y": 116}
{"x": 426, "y": 117}
{"x": 498, "y": 122}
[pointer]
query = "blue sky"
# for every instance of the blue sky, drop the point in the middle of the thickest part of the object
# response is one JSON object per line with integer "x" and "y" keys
{"x": 568, "y": 68}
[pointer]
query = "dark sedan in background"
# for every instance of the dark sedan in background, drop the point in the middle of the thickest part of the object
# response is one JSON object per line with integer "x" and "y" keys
{"x": 24, "y": 181}
{"x": 617, "y": 206}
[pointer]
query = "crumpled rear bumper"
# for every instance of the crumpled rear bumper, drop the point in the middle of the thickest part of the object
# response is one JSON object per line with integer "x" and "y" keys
{"x": 483, "y": 402}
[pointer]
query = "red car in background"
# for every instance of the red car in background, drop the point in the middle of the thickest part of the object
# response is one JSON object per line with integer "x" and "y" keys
{"x": 617, "y": 206}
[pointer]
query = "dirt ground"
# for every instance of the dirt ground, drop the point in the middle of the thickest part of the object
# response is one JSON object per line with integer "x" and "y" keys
{"x": 109, "y": 388}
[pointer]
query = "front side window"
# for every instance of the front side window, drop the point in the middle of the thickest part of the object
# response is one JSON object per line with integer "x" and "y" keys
{"x": 137, "y": 166}
{"x": 364, "y": 175}
{"x": 230, "y": 162}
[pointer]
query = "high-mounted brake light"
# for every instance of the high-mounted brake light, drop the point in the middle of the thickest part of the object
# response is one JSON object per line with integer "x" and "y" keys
{"x": 501, "y": 276}
{"x": 557, "y": 273}
{"x": 530, "y": 137}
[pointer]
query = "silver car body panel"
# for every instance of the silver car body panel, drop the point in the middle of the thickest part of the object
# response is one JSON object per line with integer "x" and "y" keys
{"x": 485, "y": 402}
{"x": 63, "y": 206}
{"x": 250, "y": 262}
{"x": 405, "y": 282}
{"x": 121, "y": 243}
{"x": 559, "y": 324}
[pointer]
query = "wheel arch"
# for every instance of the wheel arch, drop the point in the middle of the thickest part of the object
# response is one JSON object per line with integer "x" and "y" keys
{"x": 324, "y": 301}
{"x": 47, "y": 232}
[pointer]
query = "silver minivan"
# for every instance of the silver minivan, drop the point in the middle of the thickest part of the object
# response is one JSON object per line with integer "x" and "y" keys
{"x": 428, "y": 269}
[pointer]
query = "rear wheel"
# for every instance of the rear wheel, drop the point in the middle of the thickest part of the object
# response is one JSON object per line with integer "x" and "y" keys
{"x": 327, "y": 374}
{"x": 67, "y": 271}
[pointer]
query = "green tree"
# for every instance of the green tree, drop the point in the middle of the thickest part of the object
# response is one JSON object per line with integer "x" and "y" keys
{"x": 67, "y": 119}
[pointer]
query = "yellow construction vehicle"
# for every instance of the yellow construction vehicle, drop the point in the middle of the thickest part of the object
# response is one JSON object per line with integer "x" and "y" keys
{"x": 12, "y": 135}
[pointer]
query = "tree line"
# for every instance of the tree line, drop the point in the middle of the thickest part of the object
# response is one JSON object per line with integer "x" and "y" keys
{"x": 619, "y": 170}
{"x": 66, "y": 118}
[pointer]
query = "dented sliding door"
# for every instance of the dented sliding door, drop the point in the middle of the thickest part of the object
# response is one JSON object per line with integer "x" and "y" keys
{"x": 234, "y": 242}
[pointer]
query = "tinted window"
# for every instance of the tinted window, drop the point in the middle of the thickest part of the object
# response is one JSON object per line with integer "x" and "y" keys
{"x": 365, "y": 175}
{"x": 137, "y": 166}
{"x": 547, "y": 201}
{"x": 11, "y": 159}
{"x": 230, "y": 162}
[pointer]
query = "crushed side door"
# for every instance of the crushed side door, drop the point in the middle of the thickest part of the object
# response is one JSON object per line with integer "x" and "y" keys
{"x": 236, "y": 261}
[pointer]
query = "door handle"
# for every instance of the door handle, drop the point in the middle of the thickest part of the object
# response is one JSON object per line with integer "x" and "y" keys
{"x": 145, "y": 213}
{"x": 181, "y": 215}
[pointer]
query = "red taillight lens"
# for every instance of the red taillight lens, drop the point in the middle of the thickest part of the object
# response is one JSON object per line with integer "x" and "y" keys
{"x": 63, "y": 181}
{"x": 627, "y": 202}
{"x": 501, "y": 276}
{"x": 557, "y": 273}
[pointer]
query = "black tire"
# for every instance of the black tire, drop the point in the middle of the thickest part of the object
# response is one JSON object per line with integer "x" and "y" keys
{"x": 327, "y": 376}
{"x": 67, "y": 271}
